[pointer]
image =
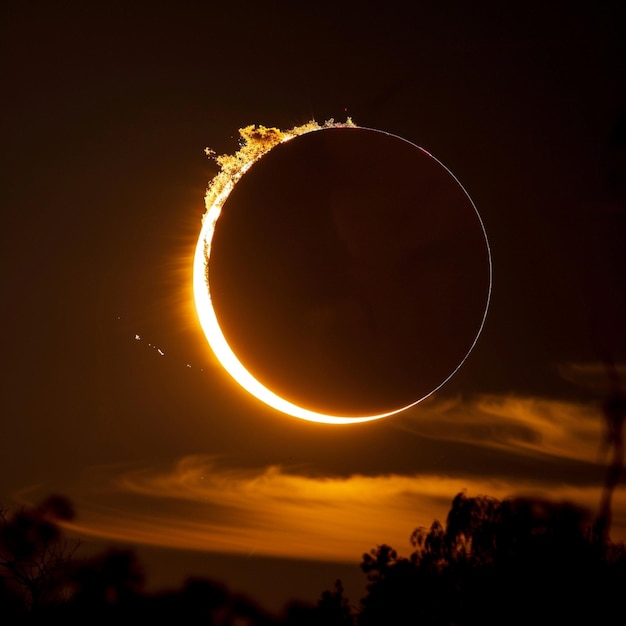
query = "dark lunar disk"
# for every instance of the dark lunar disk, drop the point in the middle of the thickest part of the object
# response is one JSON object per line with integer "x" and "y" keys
{"x": 349, "y": 272}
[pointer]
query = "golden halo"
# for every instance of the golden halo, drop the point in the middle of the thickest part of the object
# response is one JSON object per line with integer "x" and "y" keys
{"x": 256, "y": 142}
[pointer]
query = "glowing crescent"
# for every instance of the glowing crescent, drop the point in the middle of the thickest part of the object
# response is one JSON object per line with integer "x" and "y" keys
{"x": 256, "y": 143}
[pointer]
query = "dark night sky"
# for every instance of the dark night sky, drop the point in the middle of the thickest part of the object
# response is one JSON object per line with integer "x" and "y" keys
{"x": 106, "y": 111}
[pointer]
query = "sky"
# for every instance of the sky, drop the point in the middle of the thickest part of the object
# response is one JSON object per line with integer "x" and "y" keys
{"x": 110, "y": 393}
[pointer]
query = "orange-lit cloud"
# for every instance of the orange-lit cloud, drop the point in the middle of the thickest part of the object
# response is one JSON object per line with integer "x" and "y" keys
{"x": 599, "y": 377}
{"x": 273, "y": 512}
{"x": 199, "y": 504}
{"x": 524, "y": 425}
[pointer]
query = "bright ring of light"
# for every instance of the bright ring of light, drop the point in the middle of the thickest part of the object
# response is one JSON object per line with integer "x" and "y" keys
{"x": 257, "y": 142}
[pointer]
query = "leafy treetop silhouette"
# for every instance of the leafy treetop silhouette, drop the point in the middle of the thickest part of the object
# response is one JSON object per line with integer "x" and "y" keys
{"x": 516, "y": 561}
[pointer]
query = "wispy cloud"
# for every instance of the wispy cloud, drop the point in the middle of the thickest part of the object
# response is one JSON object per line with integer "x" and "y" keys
{"x": 523, "y": 425}
{"x": 200, "y": 503}
{"x": 196, "y": 505}
{"x": 597, "y": 376}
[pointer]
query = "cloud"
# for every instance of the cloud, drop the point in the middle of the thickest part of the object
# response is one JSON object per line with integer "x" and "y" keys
{"x": 522, "y": 425}
{"x": 597, "y": 376}
{"x": 196, "y": 505}
{"x": 200, "y": 503}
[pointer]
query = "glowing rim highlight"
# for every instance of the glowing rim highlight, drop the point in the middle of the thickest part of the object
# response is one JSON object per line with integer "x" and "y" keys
{"x": 233, "y": 168}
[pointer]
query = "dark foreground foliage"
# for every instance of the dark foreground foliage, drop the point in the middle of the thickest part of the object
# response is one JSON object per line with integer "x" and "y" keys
{"x": 519, "y": 561}
{"x": 510, "y": 562}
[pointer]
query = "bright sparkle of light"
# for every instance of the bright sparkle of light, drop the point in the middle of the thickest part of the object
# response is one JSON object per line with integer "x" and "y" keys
{"x": 256, "y": 141}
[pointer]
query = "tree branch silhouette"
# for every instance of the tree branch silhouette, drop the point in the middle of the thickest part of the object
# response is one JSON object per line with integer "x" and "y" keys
{"x": 35, "y": 557}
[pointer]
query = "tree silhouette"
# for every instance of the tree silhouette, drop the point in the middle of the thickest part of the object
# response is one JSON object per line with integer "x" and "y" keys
{"x": 516, "y": 561}
{"x": 35, "y": 558}
{"x": 107, "y": 581}
{"x": 332, "y": 609}
{"x": 401, "y": 590}
{"x": 614, "y": 411}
